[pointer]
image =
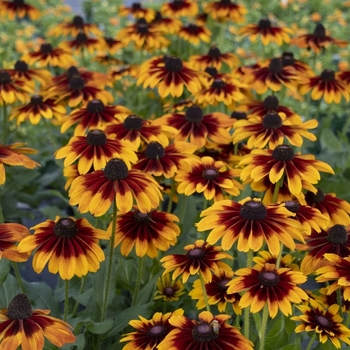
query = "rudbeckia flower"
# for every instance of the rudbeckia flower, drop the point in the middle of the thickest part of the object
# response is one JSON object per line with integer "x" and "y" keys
{"x": 212, "y": 178}
{"x": 93, "y": 151}
{"x": 179, "y": 8}
{"x": 200, "y": 258}
{"x": 137, "y": 11}
{"x": 95, "y": 192}
{"x": 317, "y": 40}
{"x": 81, "y": 43}
{"x": 14, "y": 89}
{"x": 70, "y": 247}
{"x": 196, "y": 127}
{"x": 327, "y": 324}
{"x": 265, "y": 257}
{"x": 169, "y": 25}
{"x": 14, "y": 155}
{"x": 111, "y": 45}
{"x": 281, "y": 161}
{"x": 37, "y": 108}
{"x": 148, "y": 233}
{"x": 169, "y": 289}
{"x": 302, "y": 68}
{"x": 21, "y": 326}
{"x": 251, "y": 224}
{"x": 194, "y": 33}
{"x": 326, "y": 86}
{"x": 170, "y": 75}
{"x": 19, "y": 9}
{"x": 225, "y": 10}
{"x": 208, "y": 333}
{"x": 267, "y": 31}
{"x": 278, "y": 287}
{"x": 149, "y": 333}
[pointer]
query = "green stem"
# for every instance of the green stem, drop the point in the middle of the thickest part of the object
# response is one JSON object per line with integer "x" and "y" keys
{"x": 109, "y": 263}
{"x": 4, "y": 115}
{"x": 18, "y": 276}
{"x": 204, "y": 291}
{"x": 52, "y": 138}
{"x": 171, "y": 195}
{"x": 347, "y": 322}
{"x": 66, "y": 300}
{"x": 247, "y": 310}
{"x": 138, "y": 281}
{"x": 183, "y": 209}
{"x": 82, "y": 285}
{"x": 265, "y": 316}
{"x": 339, "y": 299}
{"x": 312, "y": 340}
{"x": 276, "y": 189}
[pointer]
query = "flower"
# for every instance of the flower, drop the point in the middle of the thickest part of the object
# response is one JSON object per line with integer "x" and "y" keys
{"x": 281, "y": 161}
{"x": 149, "y": 333}
{"x": 69, "y": 246}
{"x": 81, "y": 42}
{"x": 194, "y": 33}
{"x": 10, "y": 234}
{"x": 200, "y": 258}
{"x": 96, "y": 191}
{"x": 326, "y": 86}
{"x": 278, "y": 287}
{"x": 170, "y": 75}
{"x": 317, "y": 40}
{"x": 224, "y": 10}
{"x": 13, "y": 89}
{"x": 169, "y": 25}
{"x": 14, "y": 155}
{"x": 147, "y": 232}
{"x": 94, "y": 150}
{"x": 21, "y": 326}
{"x": 179, "y": 8}
{"x": 196, "y": 127}
{"x": 208, "y": 333}
{"x": 326, "y": 323}
{"x": 266, "y": 257}
{"x": 268, "y": 32}
{"x": 169, "y": 289}
{"x": 251, "y": 224}
{"x": 37, "y": 108}
{"x": 333, "y": 240}
{"x": 137, "y": 10}
{"x": 18, "y": 8}
{"x": 207, "y": 176}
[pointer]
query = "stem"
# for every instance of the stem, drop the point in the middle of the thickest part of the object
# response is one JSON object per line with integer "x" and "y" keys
{"x": 311, "y": 341}
{"x": 276, "y": 189}
{"x": 171, "y": 195}
{"x": 247, "y": 310}
{"x": 18, "y": 276}
{"x": 4, "y": 115}
{"x": 204, "y": 291}
{"x": 138, "y": 281}
{"x": 109, "y": 263}
{"x": 75, "y": 308}
{"x": 265, "y": 316}
{"x": 183, "y": 209}
{"x": 52, "y": 139}
{"x": 339, "y": 299}
{"x": 66, "y": 300}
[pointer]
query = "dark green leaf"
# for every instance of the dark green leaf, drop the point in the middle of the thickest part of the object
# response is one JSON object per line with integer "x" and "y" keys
{"x": 8, "y": 290}
{"x": 99, "y": 327}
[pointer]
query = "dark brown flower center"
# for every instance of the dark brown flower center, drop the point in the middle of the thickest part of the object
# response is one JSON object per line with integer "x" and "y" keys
{"x": 264, "y": 23}
{"x": 272, "y": 121}
{"x": 195, "y": 253}
{"x": 81, "y": 38}
{"x": 96, "y": 138}
{"x": 95, "y": 106}
{"x": 328, "y": 75}
{"x": 157, "y": 331}
{"x": 21, "y": 66}
{"x": 287, "y": 59}
{"x": 210, "y": 174}
{"x": 269, "y": 278}
{"x": 177, "y": 4}
{"x": 46, "y": 48}
{"x": 173, "y": 64}
{"x": 72, "y": 72}
{"x": 154, "y": 150}
{"x": 218, "y": 84}
{"x": 5, "y": 77}
{"x": 223, "y": 284}
{"x": 214, "y": 52}
{"x": 253, "y": 210}
{"x": 36, "y": 100}
{"x": 192, "y": 28}
{"x": 212, "y": 71}
{"x": 19, "y": 308}
{"x": 203, "y": 332}
{"x": 292, "y": 206}
{"x": 226, "y": 2}
{"x": 158, "y": 17}
{"x": 142, "y": 26}
{"x": 141, "y": 217}
{"x": 78, "y": 21}
{"x": 320, "y": 31}
{"x": 276, "y": 65}
{"x": 323, "y": 321}
{"x": 169, "y": 291}
{"x": 76, "y": 83}
{"x": 239, "y": 115}
{"x": 283, "y": 153}
{"x": 136, "y": 6}
{"x": 194, "y": 114}
{"x": 133, "y": 122}
{"x": 271, "y": 102}
{"x": 317, "y": 197}
{"x": 116, "y": 169}
{"x": 65, "y": 228}
{"x": 18, "y": 2}
{"x": 337, "y": 234}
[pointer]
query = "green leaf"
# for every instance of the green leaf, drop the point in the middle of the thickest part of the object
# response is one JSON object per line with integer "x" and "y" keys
{"x": 8, "y": 290}
{"x": 330, "y": 142}
{"x": 99, "y": 327}
{"x": 5, "y": 266}
{"x": 326, "y": 346}
{"x": 78, "y": 345}
{"x": 276, "y": 335}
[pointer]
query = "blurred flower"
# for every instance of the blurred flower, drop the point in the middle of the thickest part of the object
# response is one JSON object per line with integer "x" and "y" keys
{"x": 95, "y": 192}
{"x": 169, "y": 25}
{"x": 329, "y": 299}
{"x": 207, "y": 176}
{"x": 169, "y": 289}
{"x": 266, "y": 257}
{"x": 14, "y": 155}
{"x": 200, "y": 258}
{"x": 149, "y": 333}
{"x": 326, "y": 323}
{"x": 251, "y": 224}
{"x": 80, "y": 43}
{"x": 278, "y": 287}
{"x": 109, "y": 44}
{"x": 94, "y": 150}
{"x": 302, "y": 68}
{"x": 209, "y": 332}
{"x": 69, "y": 246}
{"x": 14, "y": 89}
{"x": 267, "y": 31}
{"x": 225, "y": 10}
{"x": 148, "y": 233}
{"x": 194, "y": 34}
{"x": 19, "y": 9}
{"x": 179, "y": 8}
{"x": 21, "y": 326}
{"x": 37, "y": 108}
{"x": 137, "y": 11}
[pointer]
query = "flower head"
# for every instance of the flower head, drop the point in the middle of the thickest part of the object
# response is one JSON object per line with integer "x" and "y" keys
{"x": 19, "y": 9}
{"x": 225, "y": 10}
{"x": 169, "y": 289}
